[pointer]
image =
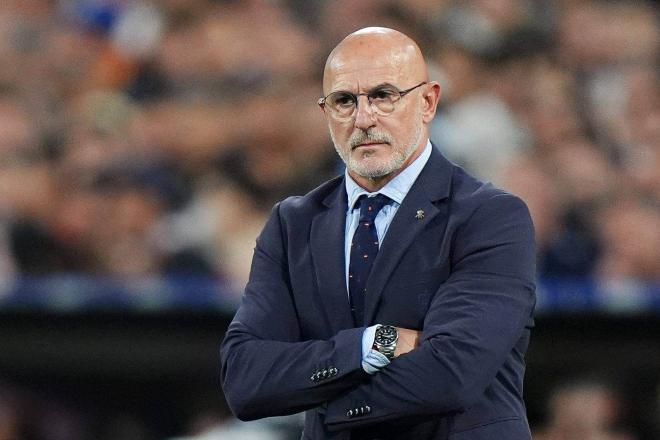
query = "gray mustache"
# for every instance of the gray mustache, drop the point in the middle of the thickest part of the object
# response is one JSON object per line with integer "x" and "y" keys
{"x": 360, "y": 137}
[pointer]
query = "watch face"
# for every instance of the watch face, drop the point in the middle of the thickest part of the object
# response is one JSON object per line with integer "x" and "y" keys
{"x": 386, "y": 335}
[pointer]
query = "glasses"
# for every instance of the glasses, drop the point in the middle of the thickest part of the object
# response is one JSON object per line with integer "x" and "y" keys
{"x": 383, "y": 99}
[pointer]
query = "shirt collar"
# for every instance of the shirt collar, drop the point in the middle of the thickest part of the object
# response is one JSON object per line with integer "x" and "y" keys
{"x": 397, "y": 188}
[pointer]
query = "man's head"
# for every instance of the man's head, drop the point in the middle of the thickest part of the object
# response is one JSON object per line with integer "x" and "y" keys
{"x": 387, "y": 130}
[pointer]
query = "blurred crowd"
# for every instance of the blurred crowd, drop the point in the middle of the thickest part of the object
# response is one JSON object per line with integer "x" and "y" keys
{"x": 578, "y": 407}
{"x": 142, "y": 138}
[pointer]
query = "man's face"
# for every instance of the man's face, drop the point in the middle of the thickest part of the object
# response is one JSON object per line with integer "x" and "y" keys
{"x": 372, "y": 145}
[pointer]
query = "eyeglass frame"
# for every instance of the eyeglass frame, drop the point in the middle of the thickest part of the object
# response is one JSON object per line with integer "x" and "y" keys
{"x": 402, "y": 93}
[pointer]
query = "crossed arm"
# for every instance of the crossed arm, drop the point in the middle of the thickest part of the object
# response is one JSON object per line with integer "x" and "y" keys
{"x": 472, "y": 324}
{"x": 267, "y": 377}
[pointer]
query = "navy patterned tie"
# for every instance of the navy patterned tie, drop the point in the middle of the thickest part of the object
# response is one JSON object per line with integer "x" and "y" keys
{"x": 364, "y": 248}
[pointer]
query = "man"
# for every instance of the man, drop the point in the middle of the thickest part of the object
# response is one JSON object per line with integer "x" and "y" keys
{"x": 404, "y": 314}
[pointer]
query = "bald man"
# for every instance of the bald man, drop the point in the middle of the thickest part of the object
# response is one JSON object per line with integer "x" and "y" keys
{"x": 394, "y": 301}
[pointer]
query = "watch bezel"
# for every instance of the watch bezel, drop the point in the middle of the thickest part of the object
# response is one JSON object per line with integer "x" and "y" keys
{"x": 385, "y": 340}
{"x": 386, "y": 335}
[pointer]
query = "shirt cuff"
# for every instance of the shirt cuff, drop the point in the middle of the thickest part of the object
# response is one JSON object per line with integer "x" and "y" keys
{"x": 372, "y": 360}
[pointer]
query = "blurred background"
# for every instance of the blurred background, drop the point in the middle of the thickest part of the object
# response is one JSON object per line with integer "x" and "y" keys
{"x": 143, "y": 143}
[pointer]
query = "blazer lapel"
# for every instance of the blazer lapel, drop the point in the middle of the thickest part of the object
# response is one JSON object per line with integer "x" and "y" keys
{"x": 327, "y": 248}
{"x": 417, "y": 210}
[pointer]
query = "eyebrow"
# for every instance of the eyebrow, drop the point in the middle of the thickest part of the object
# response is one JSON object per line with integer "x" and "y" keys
{"x": 379, "y": 86}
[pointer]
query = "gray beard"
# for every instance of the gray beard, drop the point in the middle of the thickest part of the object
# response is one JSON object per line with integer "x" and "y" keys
{"x": 370, "y": 171}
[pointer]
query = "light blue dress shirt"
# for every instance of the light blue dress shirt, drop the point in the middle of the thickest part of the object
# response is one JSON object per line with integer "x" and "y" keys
{"x": 396, "y": 189}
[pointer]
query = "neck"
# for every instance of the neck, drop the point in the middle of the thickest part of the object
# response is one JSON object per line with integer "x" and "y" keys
{"x": 373, "y": 184}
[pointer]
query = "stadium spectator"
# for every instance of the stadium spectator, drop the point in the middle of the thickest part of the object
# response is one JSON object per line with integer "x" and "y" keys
{"x": 584, "y": 410}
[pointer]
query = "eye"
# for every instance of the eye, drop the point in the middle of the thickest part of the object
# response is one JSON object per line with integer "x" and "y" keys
{"x": 382, "y": 94}
{"x": 342, "y": 99}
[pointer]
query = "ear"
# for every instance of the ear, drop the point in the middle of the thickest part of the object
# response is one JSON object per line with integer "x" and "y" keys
{"x": 322, "y": 109}
{"x": 431, "y": 97}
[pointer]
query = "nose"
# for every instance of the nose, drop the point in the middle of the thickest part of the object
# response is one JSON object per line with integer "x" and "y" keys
{"x": 365, "y": 116}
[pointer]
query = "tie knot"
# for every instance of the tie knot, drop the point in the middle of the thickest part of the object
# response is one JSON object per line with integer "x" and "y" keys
{"x": 371, "y": 206}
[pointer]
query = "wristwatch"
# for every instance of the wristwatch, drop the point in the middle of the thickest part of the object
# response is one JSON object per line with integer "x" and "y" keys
{"x": 385, "y": 340}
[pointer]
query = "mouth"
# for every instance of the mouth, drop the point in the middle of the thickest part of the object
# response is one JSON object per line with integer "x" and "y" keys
{"x": 369, "y": 144}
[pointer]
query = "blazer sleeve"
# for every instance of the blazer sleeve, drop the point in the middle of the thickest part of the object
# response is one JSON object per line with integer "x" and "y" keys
{"x": 266, "y": 369}
{"x": 474, "y": 321}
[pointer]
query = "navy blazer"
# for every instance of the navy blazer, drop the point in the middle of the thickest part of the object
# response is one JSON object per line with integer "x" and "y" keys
{"x": 463, "y": 274}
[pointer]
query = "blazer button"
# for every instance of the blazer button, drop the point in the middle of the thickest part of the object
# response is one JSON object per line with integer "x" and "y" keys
{"x": 324, "y": 374}
{"x": 367, "y": 409}
{"x": 333, "y": 371}
{"x": 349, "y": 413}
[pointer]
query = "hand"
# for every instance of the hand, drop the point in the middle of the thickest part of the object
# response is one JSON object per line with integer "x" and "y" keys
{"x": 408, "y": 340}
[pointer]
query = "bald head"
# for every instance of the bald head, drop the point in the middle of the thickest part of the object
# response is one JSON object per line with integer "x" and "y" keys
{"x": 378, "y": 103}
{"x": 376, "y": 48}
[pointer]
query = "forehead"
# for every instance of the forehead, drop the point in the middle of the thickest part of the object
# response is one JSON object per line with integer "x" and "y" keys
{"x": 363, "y": 80}
{"x": 360, "y": 72}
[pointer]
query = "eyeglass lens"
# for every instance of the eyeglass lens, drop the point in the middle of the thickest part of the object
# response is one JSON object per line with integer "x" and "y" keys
{"x": 382, "y": 100}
